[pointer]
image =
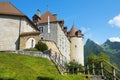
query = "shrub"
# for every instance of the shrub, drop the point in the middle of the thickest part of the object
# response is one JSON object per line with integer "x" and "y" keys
{"x": 73, "y": 67}
{"x": 41, "y": 46}
{"x": 31, "y": 49}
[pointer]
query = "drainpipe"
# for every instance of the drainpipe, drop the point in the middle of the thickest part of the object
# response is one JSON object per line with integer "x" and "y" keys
{"x": 19, "y": 34}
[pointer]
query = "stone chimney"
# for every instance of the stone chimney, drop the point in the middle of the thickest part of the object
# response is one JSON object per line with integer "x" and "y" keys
{"x": 55, "y": 15}
{"x": 38, "y": 12}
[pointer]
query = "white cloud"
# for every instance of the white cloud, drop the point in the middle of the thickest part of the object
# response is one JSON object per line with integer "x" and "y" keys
{"x": 84, "y": 30}
{"x": 97, "y": 42}
{"x": 89, "y": 35}
{"x": 115, "y": 21}
{"x": 114, "y": 39}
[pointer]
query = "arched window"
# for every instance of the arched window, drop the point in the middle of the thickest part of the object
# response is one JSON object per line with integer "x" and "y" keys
{"x": 30, "y": 43}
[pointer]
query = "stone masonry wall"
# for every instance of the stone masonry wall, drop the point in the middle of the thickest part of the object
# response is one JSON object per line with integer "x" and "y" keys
{"x": 23, "y": 40}
{"x": 10, "y": 29}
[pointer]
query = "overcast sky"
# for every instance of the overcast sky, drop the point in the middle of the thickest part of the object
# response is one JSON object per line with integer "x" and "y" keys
{"x": 98, "y": 19}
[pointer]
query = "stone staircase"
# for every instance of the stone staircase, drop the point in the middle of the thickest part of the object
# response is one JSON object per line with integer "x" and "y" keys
{"x": 97, "y": 77}
{"x": 55, "y": 55}
{"x": 51, "y": 45}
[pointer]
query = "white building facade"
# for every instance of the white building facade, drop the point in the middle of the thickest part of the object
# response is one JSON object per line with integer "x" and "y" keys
{"x": 76, "y": 45}
{"x": 13, "y": 23}
{"x": 54, "y": 33}
{"x": 70, "y": 43}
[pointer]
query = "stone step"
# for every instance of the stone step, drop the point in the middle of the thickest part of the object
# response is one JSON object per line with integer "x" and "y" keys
{"x": 97, "y": 77}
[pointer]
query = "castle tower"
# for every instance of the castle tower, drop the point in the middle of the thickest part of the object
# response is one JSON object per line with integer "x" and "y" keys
{"x": 76, "y": 45}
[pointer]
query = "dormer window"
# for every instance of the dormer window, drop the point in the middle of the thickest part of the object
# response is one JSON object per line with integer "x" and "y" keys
{"x": 41, "y": 29}
{"x": 75, "y": 46}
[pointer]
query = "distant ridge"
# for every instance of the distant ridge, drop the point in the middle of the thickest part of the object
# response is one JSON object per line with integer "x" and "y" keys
{"x": 112, "y": 49}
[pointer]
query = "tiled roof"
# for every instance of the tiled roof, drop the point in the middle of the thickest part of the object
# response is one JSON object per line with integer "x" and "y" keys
{"x": 29, "y": 33}
{"x": 72, "y": 31}
{"x": 8, "y": 8}
{"x": 44, "y": 17}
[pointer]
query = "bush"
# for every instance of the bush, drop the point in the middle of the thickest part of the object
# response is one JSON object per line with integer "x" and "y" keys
{"x": 73, "y": 67}
{"x": 41, "y": 46}
{"x": 31, "y": 49}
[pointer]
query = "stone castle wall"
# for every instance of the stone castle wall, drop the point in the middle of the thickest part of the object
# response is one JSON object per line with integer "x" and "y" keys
{"x": 24, "y": 39}
{"x": 58, "y": 36}
{"x": 10, "y": 29}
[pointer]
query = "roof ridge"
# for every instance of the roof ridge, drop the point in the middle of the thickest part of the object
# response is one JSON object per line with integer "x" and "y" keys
{"x": 9, "y": 8}
{"x": 44, "y": 17}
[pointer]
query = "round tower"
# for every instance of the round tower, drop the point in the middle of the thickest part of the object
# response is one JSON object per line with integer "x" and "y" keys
{"x": 76, "y": 45}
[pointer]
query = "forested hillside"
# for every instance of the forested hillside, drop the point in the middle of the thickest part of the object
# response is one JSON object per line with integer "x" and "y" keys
{"x": 112, "y": 49}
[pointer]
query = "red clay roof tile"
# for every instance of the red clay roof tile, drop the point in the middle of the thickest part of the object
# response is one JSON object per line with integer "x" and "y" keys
{"x": 44, "y": 17}
{"x": 8, "y": 8}
{"x": 29, "y": 33}
{"x": 72, "y": 31}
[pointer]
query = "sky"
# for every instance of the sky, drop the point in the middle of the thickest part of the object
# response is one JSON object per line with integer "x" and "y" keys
{"x": 98, "y": 20}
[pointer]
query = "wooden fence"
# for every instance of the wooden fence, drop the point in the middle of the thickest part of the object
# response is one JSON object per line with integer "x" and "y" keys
{"x": 103, "y": 68}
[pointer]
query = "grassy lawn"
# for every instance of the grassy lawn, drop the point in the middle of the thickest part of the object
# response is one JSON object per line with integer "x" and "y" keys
{"x": 23, "y": 67}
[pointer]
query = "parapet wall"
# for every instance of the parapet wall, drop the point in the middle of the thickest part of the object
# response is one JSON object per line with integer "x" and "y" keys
{"x": 31, "y": 53}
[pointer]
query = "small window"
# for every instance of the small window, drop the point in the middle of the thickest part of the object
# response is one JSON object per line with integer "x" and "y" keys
{"x": 41, "y": 38}
{"x": 75, "y": 46}
{"x": 41, "y": 29}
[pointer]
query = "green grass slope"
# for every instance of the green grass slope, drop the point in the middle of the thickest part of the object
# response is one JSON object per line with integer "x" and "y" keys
{"x": 23, "y": 67}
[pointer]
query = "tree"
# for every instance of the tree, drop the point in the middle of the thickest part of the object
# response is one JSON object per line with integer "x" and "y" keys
{"x": 102, "y": 56}
{"x": 41, "y": 46}
{"x": 73, "y": 67}
{"x": 95, "y": 60}
{"x": 91, "y": 58}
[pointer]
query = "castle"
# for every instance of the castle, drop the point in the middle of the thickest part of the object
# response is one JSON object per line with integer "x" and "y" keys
{"x": 18, "y": 32}
{"x": 69, "y": 43}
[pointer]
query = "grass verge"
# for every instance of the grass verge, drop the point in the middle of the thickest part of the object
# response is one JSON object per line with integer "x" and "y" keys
{"x": 23, "y": 67}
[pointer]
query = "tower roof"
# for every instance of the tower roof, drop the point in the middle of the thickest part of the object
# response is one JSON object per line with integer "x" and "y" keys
{"x": 44, "y": 17}
{"x": 72, "y": 31}
{"x": 9, "y": 9}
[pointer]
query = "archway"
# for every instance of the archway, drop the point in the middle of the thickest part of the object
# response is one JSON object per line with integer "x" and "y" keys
{"x": 30, "y": 43}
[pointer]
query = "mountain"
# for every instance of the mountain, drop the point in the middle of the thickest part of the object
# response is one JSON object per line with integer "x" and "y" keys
{"x": 112, "y": 45}
{"x": 91, "y": 47}
{"x": 111, "y": 48}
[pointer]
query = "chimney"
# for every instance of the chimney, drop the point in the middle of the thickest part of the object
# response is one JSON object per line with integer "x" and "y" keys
{"x": 38, "y": 12}
{"x": 65, "y": 30}
{"x": 55, "y": 15}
